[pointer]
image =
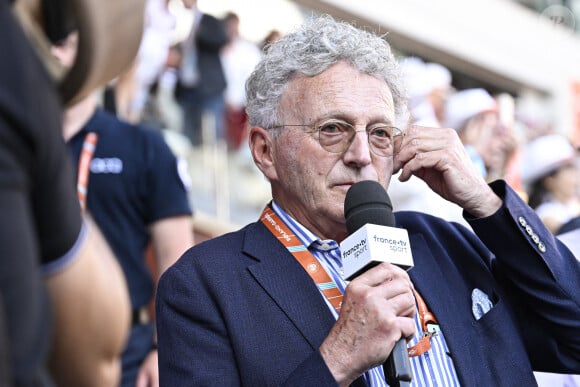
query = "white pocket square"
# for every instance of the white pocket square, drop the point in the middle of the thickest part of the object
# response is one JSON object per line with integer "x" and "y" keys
{"x": 480, "y": 303}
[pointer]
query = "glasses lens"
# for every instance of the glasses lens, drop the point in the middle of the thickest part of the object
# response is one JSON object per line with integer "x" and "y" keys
{"x": 385, "y": 140}
{"x": 335, "y": 136}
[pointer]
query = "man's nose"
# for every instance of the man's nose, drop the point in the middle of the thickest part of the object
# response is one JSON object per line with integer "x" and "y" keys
{"x": 359, "y": 151}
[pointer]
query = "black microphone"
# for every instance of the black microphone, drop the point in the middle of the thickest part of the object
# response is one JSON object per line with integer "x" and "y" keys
{"x": 373, "y": 238}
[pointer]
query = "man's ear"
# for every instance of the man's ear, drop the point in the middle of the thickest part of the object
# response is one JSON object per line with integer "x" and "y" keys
{"x": 262, "y": 150}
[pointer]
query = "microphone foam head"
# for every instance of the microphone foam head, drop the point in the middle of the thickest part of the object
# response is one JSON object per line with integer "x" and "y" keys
{"x": 367, "y": 202}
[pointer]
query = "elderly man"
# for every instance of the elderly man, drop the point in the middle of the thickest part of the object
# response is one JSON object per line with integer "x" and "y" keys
{"x": 242, "y": 309}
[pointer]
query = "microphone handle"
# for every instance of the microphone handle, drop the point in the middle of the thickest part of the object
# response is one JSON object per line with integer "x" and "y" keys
{"x": 397, "y": 368}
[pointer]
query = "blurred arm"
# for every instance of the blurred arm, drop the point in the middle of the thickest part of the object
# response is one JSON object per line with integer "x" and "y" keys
{"x": 92, "y": 316}
{"x": 171, "y": 237}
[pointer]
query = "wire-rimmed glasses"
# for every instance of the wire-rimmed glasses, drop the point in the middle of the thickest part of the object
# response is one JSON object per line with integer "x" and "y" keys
{"x": 336, "y": 136}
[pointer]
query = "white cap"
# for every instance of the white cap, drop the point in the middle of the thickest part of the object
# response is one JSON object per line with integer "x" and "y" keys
{"x": 413, "y": 70}
{"x": 544, "y": 155}
{"x": 463, "y": 105}
{"x": 422, "y": 78}
{"x": 439, "y": 76}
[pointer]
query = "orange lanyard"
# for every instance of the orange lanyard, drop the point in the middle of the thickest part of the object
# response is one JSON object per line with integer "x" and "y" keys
{"x": 310, "y": 264}
{"x": 328, "y": 287}
{"x": 85, "y": 158}
{"x": 427, "y": 320}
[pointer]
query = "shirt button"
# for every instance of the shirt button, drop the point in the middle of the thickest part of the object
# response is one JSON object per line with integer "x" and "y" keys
{"x": 325, "y": 246}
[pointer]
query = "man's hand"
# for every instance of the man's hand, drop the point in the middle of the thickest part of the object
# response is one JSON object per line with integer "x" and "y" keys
{"x": 377, "y": 310}
{"x": 148, "y": 375}
{"x": 438, "y": 157}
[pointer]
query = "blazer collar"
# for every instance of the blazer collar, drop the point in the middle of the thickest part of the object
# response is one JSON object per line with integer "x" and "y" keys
{"x": 288, "y": 284}
{"x": 291, "y": 288}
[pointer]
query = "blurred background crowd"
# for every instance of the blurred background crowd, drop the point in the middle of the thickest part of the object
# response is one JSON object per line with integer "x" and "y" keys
{"x": 503, "y": 74}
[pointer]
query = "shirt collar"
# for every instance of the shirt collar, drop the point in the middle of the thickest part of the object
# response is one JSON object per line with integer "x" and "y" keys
{"x": 305, "y": 236}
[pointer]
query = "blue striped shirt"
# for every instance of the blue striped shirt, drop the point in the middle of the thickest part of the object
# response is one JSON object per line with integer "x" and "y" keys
{"x": 434, "y": 368}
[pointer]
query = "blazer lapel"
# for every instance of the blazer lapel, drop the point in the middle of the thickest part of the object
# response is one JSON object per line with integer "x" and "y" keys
{"x": 284, "y": 279}
{"x": 291, "y": 288}
{"x": 434, "y": 280}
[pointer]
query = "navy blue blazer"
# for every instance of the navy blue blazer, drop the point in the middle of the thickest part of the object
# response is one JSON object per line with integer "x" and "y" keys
{"x": 239, "y": 310}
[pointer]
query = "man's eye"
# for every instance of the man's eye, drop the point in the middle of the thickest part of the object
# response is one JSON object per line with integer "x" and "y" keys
{"x": 333, "y": 128}
{"x": 382, "y": 132}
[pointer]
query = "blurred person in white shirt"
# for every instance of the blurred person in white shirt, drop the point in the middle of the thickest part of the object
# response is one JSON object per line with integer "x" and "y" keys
{"x": 239, "y": 57}
{"x": 153, "y": 53}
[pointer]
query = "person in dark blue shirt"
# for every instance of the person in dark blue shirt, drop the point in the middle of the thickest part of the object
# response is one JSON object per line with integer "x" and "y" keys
{"x": 135, "y": 189}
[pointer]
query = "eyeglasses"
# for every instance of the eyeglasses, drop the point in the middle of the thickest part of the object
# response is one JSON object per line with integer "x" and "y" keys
{"x": 336, "y": 136}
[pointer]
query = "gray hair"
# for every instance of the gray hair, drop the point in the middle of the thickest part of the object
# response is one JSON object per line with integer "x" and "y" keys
{"x": 315, "y": 46}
